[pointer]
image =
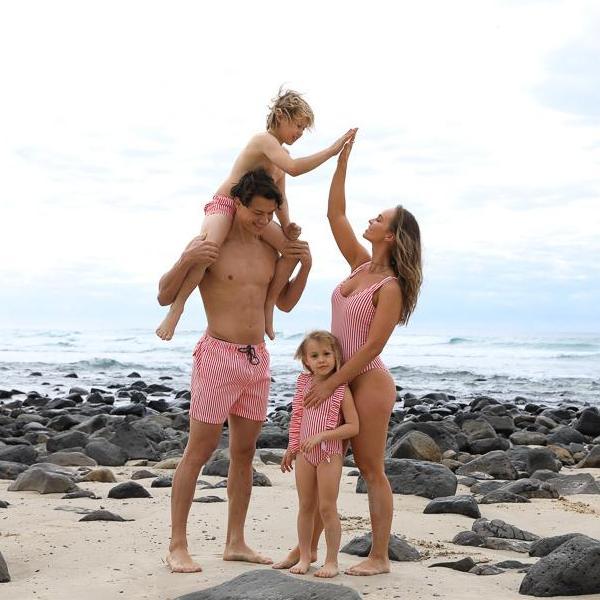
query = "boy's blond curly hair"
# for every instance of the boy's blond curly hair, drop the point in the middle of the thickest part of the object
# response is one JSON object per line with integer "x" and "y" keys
{"x": 290, "y": 104}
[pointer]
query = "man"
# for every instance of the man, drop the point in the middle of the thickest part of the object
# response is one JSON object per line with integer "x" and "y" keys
{"x": 230, "y": 376}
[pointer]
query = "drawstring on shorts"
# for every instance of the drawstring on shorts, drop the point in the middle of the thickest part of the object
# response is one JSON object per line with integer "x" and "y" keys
{"x": 250, "y": 353}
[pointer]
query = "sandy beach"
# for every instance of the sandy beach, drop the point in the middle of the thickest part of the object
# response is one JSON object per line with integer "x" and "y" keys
{"x": 51, "y": 555}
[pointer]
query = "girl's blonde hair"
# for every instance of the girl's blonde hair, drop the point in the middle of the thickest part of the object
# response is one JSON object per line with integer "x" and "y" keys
{"x": 290, "y": 104}
{"x": 321, "y": 337}
{"x": 406, "y": 259}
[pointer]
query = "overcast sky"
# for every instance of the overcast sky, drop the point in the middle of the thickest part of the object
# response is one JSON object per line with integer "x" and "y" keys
{"x": 118, "y": 120}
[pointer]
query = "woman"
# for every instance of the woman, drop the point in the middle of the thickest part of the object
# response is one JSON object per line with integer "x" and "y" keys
{"x": 380, "y": 293}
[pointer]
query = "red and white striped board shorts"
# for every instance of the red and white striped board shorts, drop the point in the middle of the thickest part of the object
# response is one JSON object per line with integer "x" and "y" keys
{"x": 229, "y": 379}
{"x": 220, "y": 205}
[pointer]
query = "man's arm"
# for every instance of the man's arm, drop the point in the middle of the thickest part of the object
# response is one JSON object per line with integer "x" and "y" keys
{"x": 293, "y": 289}
{"x": 198, "y": 251}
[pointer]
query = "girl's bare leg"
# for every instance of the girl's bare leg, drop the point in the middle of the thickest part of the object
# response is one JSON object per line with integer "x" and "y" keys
{"x": 275, "y": 237}
{"x": 216, "y": 227}
{"x": 374, "y": 396}
{"x": 328, "y": 486}
{"x": 306, "y": 484}
{"x": 294, "y": 554}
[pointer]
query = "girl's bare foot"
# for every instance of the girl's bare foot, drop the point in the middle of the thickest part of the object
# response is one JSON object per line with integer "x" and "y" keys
{"x": 301, "y": 568}
{"x": 370, "y": 566}
{"x": 245, "y": 554}
{"x": 292, "y": 558}
{"x": 328, "y": 570}
{"x": 166, "y": 329}
{"x": 180, "y": 561}
{"x": 269, "y": 330}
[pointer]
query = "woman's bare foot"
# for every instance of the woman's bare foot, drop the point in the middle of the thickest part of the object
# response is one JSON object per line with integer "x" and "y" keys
{"x": 328, "y": 570}
{"x": 370, "y": 566}
{"x": 269, "y": 330}
{"x": 301, "y": 568}
{"x": 166, "y": 329}
{"x": 292, "y": 558}
{"x": 245, "y": 554}
{"x": 180, "y": 561}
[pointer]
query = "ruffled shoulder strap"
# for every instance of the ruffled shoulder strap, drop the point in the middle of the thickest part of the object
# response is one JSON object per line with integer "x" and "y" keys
{"x": 335, "y": 402}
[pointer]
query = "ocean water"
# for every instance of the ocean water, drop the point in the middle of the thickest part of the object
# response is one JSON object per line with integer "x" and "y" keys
{"x": 541, "y": 368}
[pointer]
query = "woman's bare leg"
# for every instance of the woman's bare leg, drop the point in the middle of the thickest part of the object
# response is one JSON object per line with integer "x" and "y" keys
{"x": 374, "y": 396}
{"x": 216, "y": 227}
{"x": 275, "y": 237}
{"x": 328, "y": 486}
{"x": 306, "y": 484}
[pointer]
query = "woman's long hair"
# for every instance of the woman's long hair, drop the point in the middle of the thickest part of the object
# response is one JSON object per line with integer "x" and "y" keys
{"x": 406, "y": 260}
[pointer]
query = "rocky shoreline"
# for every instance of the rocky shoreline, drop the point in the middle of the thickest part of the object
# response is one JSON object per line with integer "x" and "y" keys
{"x": 464, "y": 456}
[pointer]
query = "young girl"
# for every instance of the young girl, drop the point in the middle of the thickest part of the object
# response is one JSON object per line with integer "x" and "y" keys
{"x": 315, "y": 442}
{"x": 289, "y": 116}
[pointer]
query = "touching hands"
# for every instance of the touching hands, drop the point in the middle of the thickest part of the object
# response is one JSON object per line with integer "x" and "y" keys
{"x": 347, "y": 137}
{"x": 345, "y": 153}
{"x": 298, "y": 250}
{"x": 318, "y": 393}
{"x": 287, "y": 462}
{"x": 201, "y": 251}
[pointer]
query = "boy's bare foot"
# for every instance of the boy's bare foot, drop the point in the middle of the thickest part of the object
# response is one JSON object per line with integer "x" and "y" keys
{"x": 269, "y": 308}
{"x": 245, "y": 554}
{"x": 292, "y": 558}
{"x": 180, "y": 561}
{"x": 166, "y": 329}
{"x": 328, "y": 570}
{"x": 301, "y": 568}
{"x": 370, "y": 566}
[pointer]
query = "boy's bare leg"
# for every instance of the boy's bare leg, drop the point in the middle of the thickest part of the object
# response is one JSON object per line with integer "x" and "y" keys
{"x": 306, "y": 484}
{"x": 328, "y": 485}
{"x": 202, "y": 441}
{"x": 215, "y": 227}
{"x": 275, "y": 237}
{"x": 243, "y": 434}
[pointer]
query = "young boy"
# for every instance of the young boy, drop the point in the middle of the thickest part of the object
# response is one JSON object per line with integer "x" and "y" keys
{"x": 289, "y": 116}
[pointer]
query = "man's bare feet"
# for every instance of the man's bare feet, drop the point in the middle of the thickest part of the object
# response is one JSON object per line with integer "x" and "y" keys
{"x": 328, "y": 570}
{"x": 269, "y": 329}
{"x": 180, "y": 561}
{"x": 301, "y": 568}
{"x": 245, "y": 554}
{"x": 370, "y": 566}
{"x": 166, "y": 329}
{"x": 292, "y": 558}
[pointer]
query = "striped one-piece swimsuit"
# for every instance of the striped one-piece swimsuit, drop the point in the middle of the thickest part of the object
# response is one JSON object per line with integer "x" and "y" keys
{"x": 307, "y": 422}
{"x": 351, "y": 317}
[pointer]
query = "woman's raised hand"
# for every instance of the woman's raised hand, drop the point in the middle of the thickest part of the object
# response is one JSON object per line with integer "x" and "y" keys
{"x": 345, "y": 153}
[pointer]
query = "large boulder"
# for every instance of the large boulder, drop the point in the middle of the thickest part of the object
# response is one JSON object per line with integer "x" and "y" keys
{"x": 528, "y": 460}
{"x": 267, "y": 584}
{"x": 420, "y": 478}
{"x": 588, "y": 422}
{"x": 67, "y": 439}
{"x": 135, "y": 441}
{"x": 544, "y": 546}
{"x": 416, "y": 445}
{"x": 496, "y": 463}
{"x": 10, "y": 469}
{"x": 20, "y": 453}
{"x": 477, "y": 429}
{"x": 591, "y": 461}
{"x": 497, "y": 528}
{"x": 565, "y": 435}
{"x": 568, "y": 485}
{"x": 572, "y": 569}
{"x": 38, "y": 479}
{"x": 531, "y": 488}
{"x": 460, "y": 505}
{"x": 442, "y": 432}
{"x": 106, "y": 453}
{"x": 398, "y": 549}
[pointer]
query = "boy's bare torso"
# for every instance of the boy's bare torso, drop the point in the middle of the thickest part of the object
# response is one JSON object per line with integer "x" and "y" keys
{"x": 234, "y": 290}
{"x": 250, "y": 158}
